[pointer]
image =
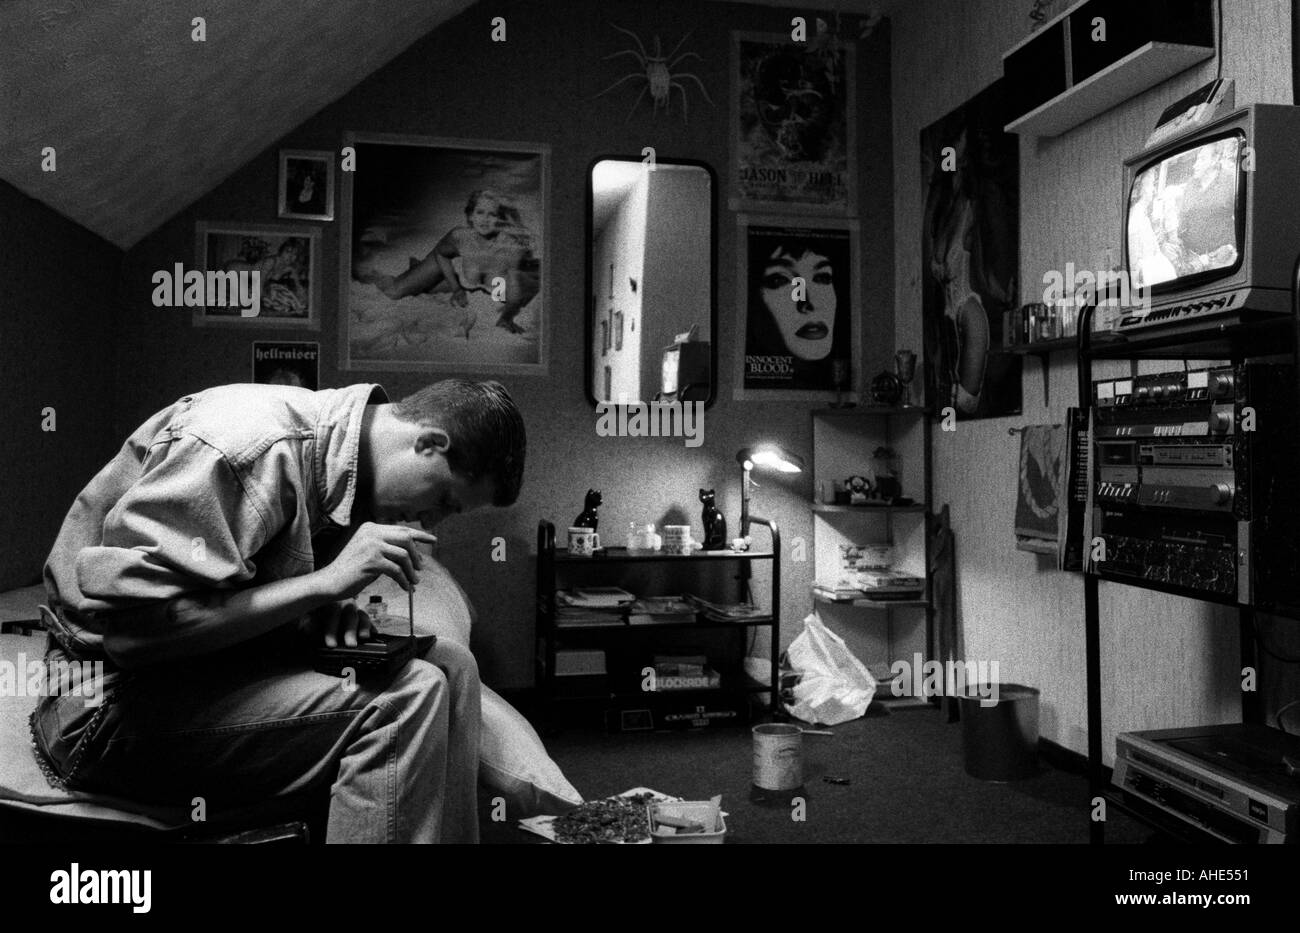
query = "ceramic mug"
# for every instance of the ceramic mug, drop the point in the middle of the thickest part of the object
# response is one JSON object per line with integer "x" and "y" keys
{"x": 583, "y": 541}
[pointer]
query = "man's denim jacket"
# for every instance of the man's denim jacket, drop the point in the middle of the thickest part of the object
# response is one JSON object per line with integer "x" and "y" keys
{"x": 222, "y": 490}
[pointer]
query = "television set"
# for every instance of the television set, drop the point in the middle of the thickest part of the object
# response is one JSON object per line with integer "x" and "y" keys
{"x": 1212, "y": 223}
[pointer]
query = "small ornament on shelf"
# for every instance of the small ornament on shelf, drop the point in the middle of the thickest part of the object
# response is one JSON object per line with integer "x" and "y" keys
{"x": 886, "y": 389}
{"x": 859, "y": 489}
{"x": 715, "y": 523}
{"x": 588, "y": 518}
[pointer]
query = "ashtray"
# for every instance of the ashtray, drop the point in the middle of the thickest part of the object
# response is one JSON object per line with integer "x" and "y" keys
{"x": 687, "y": 821}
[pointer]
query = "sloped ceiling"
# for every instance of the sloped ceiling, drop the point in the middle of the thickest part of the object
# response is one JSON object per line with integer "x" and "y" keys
{"x": 144, "y": 120}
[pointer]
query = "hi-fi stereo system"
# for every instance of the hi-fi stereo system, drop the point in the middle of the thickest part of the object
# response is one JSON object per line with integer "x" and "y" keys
{"x": 1193, "y": 483}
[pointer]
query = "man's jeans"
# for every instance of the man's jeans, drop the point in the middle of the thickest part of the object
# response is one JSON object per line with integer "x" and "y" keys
{"x": 244, "y": 726}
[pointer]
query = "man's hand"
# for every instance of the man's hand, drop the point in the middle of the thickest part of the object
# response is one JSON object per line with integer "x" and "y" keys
{"x": 374, "y": 550}
{"x": 337, "y": 624}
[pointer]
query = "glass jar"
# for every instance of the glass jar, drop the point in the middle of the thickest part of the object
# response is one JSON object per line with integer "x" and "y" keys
{"x": 644, "y": 538}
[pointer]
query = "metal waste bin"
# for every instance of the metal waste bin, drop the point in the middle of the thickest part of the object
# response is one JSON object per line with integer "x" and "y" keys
{"x": 999, "y": 731}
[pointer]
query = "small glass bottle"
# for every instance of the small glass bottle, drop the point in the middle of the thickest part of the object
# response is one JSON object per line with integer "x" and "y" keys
{"x": 377, "y": 609}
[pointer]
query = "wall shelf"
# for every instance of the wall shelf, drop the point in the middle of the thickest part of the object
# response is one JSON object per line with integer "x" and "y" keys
{"x": 1152, "y": 64}
{"x": 1098, "y": 54}
{"x": 1043, "y": 349}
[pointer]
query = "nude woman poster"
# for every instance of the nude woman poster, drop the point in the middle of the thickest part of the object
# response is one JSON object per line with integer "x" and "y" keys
{"x": 970, "y": 258}
{"x": 443, "y": 264}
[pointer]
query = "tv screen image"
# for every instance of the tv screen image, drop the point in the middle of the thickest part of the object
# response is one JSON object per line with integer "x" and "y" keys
{"x": 1184, "y": 214}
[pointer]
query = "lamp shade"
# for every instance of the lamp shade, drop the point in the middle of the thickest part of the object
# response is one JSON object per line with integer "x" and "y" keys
{"x": 772, "y": 457}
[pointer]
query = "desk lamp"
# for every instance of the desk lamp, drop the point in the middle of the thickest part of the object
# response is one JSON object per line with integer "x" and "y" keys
{"x": 767, "y": 456}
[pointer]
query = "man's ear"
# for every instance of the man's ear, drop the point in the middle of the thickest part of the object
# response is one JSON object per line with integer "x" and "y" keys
{"x": 431, "y": 440}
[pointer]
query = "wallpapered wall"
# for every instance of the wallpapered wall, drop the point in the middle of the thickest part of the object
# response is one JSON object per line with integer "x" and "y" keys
{"x": 56, "y": 351}
{"x": 455, "y": 82}
{"x": 1166, "y": 661}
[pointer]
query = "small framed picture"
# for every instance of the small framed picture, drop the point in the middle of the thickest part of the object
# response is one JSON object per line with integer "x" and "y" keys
{"x": 287, "y": 364}
{"x": 256, "y": 275}
{"x": 306, "y": 185}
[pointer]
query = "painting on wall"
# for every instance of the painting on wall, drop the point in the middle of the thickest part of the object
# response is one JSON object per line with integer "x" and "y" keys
{"x": 443, "y": 263}
{"x": 800, "y": 285}
{"x": 970, "y": 258}
{"x": 265, "y": 276}
{"x": 306, "y": 185}
{"x": 792, "y": 129}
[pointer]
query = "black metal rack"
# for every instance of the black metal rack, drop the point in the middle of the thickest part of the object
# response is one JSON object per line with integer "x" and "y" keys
{"x": 549, "y": 564}
{"x": 1249, "y": 336}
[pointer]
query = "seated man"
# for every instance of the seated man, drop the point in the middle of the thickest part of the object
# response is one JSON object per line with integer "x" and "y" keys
{"x": 207, "y": 562}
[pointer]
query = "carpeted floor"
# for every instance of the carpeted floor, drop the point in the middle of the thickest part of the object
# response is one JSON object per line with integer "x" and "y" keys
{"x": 907, "y": 785}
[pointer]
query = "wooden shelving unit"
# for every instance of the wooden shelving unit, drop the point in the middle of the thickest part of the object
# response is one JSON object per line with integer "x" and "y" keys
{"x": 877, "y": 630}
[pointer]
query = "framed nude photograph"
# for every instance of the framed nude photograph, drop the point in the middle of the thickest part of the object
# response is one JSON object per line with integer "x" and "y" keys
{"x": 443, "y": 256}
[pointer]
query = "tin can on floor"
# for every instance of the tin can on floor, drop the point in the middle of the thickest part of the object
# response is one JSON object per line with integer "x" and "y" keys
{"x": 778, "y": 761}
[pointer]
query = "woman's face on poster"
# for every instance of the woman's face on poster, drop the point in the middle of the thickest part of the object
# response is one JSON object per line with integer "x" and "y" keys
{"x": 798, "y": 288}
{"x": 485, "y": 216}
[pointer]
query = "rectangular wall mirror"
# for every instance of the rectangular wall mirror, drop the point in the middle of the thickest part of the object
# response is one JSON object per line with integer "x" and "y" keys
{"x": 651, "y": 242}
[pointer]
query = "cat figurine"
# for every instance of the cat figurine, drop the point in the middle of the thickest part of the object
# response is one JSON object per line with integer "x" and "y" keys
{"x": 715, "y": 525}
{"x": 588, "y": 518}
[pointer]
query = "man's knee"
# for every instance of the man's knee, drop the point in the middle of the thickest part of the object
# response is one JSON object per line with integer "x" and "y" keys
{"x": 420, "y": 685}
{"x": 455, "y": 659}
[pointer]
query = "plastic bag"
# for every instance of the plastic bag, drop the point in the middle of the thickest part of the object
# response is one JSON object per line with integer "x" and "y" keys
{"x": 834, "y": 686}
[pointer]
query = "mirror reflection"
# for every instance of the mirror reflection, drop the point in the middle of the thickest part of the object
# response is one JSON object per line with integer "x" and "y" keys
{"x": 650, "y": 252}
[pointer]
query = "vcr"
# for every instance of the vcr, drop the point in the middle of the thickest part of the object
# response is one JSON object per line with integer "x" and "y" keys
{"x": 1194, "y": 485}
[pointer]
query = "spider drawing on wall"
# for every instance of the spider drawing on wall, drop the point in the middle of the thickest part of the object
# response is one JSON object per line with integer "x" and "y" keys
{"x": 657, "y": 72}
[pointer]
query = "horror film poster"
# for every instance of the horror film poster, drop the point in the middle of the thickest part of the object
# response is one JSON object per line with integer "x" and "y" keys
{"x": 970, "y": 258}
{"x": 287, "y": 364}
{"x": 792, "y": 128}
{"x": 443, "y": 263}
{"x": 800, "y": 285}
